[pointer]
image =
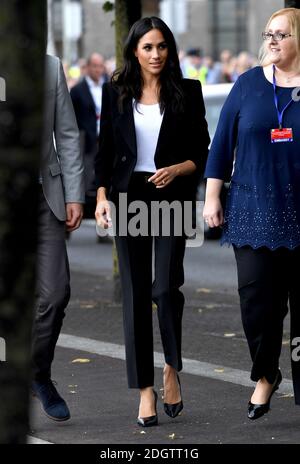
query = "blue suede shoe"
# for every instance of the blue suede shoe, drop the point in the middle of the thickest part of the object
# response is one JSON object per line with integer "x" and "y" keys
{"x": 53, "y": 405}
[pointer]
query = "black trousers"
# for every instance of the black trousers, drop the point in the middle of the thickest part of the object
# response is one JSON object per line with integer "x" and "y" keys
{"x": 135, "y": 255}
{"x": 268, "y": 284}
{"x": 52, "y": 289}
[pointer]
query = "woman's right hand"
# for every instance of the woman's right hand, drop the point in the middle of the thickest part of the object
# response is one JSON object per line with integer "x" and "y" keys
{"x": 213, "y": 212}
{"x": 103, "y": 213}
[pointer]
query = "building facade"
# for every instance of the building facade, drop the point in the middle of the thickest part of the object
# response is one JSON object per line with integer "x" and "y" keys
{"x": 211, "y": 25}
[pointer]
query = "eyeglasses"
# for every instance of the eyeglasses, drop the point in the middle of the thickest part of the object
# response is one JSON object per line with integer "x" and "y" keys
{"x": 278, "y": 36}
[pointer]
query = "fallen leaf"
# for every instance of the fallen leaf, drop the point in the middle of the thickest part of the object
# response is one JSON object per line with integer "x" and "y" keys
{"x": 229, "y": 335}
{"x": 287, "y": 395}
{"x": 72, "y": 391}
{"x": 172, "y": 436}
{"x": 143, "y": 432}
{"x": 219, "y": 370}
{"x": 81, "y": 360}
{"x": 203, "y": 290}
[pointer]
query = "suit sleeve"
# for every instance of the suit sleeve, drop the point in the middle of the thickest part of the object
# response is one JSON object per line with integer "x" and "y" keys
{"x": 105, "y": 157}
{"x": 67, "y": 142}
{"x": 198, "y": 137}
{"x": 221, "y": 155}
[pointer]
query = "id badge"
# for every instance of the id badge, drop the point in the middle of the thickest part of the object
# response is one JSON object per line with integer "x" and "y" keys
{"x": 281, "y": 135}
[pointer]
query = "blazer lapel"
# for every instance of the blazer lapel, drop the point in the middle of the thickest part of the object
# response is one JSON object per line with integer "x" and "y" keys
{"x": 126, "y": 126}
{"x": 164, "y": 133}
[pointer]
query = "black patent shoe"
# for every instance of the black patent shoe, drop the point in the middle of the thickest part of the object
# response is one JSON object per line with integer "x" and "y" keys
{"x": 151, "y": 420}
{"x": 173, "y": 410}
{"x": 255, "y": 411}
{"x": 53, "y": 405}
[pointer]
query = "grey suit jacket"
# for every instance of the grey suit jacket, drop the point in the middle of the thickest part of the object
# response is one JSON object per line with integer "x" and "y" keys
{"x": 61, "y": 162}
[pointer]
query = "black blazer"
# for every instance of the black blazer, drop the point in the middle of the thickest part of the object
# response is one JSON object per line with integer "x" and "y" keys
{"x": 85, "y": 112}
{"x": 182, "y": 137}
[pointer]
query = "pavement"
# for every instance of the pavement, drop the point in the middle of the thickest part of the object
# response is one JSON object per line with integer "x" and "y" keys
{"x": 89, "y": 368}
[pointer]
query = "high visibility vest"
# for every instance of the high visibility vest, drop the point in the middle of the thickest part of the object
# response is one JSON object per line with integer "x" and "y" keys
{"x": 200, "y": 74}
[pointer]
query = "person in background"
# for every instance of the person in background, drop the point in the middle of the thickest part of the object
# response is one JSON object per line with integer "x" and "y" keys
{"x": 86, "y": 97}
{"x": 257, "y": 147}
{"x": 193, "y": 65}
{"x": 226, "y": 65}
{"x": 243, "y": 63}
{"x": 214, "y": 71}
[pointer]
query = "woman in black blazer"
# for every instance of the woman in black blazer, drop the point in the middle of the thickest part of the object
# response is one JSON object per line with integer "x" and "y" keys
{"x": 153, "y": 146}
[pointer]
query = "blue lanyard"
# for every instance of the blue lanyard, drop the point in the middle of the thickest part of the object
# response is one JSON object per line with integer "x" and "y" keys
{"x": 279, "y": 113}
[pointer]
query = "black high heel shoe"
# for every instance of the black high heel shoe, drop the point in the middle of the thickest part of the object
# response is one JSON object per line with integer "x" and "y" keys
{"x": 173, "y": 410}
{"x": 255, "y": 411}
{"x": 150, "y": 420}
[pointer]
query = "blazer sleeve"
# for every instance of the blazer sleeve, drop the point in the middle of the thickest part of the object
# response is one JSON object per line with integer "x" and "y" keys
{"x": 67, "y": 142}
{"x": 221, "y": 155}
{"x": 198, "y": 136}
{"x": 104, "y": 159}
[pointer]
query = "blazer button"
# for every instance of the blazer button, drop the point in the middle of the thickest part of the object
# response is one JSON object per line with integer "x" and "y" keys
{"x": 123, "y": 158}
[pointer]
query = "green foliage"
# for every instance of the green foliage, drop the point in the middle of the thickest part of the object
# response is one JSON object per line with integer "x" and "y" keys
{"x": 108, "y": 6}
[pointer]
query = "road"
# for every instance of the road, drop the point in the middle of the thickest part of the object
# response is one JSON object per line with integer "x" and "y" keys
{"x": 91, "y": 374}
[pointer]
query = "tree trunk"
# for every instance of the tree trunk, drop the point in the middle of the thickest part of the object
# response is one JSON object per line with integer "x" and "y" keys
{"x": 126, "y": 13}
{"x": 121, "y": 29}
{"x": 22, "y": 52}
{"x": 292, "y": 3}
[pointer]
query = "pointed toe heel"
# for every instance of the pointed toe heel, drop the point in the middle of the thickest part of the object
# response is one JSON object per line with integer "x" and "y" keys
{"x": 172, "y": 410}
{"x": 151, "y": 420}
{"x": 255, "y": 411}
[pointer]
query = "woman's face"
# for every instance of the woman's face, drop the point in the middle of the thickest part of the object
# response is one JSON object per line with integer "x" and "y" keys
{"x": 283, "y": 52}
{"x": 152, "y": 53}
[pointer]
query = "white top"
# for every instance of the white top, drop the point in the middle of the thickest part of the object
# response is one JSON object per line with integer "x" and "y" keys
{"x": 96, "y": 91}
{"x": 147, "y": 121}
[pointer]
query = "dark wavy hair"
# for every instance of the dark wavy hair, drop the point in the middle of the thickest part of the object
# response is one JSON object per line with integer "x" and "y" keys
{"x": 129, "y": 80}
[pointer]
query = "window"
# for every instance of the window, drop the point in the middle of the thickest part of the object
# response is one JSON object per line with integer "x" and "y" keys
{"x": 229, "y": 25}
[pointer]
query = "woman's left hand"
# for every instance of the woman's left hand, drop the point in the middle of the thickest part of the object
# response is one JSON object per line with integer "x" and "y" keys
{"x": 164, "y": 176}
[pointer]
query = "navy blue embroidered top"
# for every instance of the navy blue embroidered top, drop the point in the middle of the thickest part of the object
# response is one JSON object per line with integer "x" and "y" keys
{"x": 263, "y": 203}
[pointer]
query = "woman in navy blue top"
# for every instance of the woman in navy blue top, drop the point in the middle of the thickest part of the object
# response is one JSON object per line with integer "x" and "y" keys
{"x": 257, "y": 148}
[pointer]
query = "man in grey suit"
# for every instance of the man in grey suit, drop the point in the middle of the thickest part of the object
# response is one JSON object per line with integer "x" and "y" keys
{"x": 60, "y": 209}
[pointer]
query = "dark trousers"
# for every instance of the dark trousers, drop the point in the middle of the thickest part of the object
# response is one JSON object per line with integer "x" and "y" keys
{"x": 52, "y": 289}
{"x": 267, "y": 284}
{"x": 139, "y": 290}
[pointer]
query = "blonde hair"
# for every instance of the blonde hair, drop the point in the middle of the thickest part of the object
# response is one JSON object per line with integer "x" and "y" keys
{"x": 293, "y": 16}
